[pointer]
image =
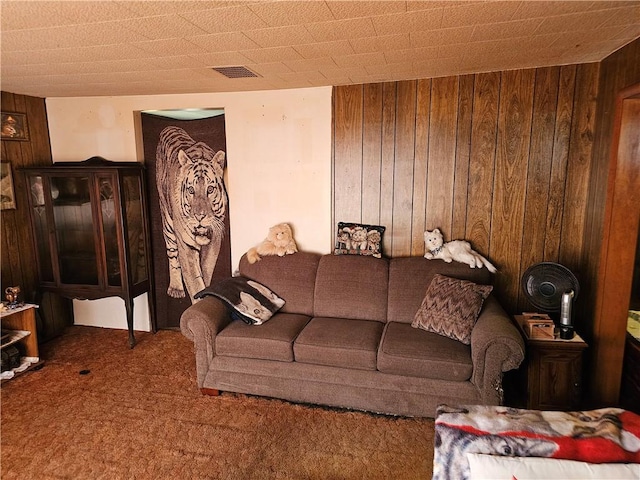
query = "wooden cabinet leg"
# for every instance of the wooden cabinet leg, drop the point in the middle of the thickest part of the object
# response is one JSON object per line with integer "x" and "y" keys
{"x": 128, "y": 305}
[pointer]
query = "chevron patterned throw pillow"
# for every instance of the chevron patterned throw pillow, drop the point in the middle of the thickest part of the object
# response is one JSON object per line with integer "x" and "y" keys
{"x": 451, "y": 307}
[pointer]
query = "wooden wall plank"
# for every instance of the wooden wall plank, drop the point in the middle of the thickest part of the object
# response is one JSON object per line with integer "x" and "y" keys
{"x": 8, "y": 101}
{"x": 562, "y": 136}
{"x": 579, "y": 168}
{"x": 348, "y": 153}
{"x": 609, "y": 84}
{"x": 388, "y": 159}
{"x": 486, "y": 96}
{"x": 539, "y": 171}
{"x": 372, "y": 153}
{"x": 403, "y": 166}
{"x": 39, "y": 129}
{"x": 463, "y": 152}
{"x": 31, "y": 153}
{"x": 40, "y": 147}
{"x": 11, "y": 274}
{"x": 334, "y": 105}
{"x": 442, "y": 154}
{"x": 634, "y": 63}
{"x": 423, "y": 107}
{"x": 512, "y": 156}
{"x": 18, "y": 155}
{"x": 5, "y": 257}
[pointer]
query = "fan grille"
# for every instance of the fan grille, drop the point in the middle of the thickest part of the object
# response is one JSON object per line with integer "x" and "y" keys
{"x": 544, "y": 283}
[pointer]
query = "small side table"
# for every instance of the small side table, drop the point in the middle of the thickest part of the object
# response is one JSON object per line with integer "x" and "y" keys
{"x": 22, "y": 321}
{"x": 553, "y": 367}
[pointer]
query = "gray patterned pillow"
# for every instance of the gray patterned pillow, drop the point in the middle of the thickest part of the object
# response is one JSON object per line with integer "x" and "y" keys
{"x": 451, "y": 307}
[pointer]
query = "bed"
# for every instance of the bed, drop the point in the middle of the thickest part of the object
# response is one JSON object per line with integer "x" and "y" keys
{"x": 474, "y": 442}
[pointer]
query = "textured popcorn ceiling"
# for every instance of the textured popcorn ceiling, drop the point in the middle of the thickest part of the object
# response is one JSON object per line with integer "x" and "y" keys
{"x": 94, "y": 48}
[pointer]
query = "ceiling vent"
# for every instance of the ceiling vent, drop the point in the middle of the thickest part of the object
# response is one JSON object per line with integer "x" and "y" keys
{"x": 236, "y": 72}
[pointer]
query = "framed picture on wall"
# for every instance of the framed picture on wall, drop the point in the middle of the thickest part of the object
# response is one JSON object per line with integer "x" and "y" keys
{"x": 7, "y": 194}
{"x": 14, "y": 126}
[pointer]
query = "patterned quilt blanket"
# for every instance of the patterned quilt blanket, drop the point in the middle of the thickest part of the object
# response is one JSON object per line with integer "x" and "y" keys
{"x": 598, "y": 436}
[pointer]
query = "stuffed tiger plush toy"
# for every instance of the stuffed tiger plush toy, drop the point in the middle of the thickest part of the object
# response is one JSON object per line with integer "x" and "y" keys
{"x": 193, "y": 203}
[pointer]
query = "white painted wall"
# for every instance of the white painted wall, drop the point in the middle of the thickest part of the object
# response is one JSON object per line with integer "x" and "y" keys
{"x": 278, "y": 170}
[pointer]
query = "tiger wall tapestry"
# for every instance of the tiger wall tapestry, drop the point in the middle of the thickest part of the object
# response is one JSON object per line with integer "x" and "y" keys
{"x": 190, "y": 227}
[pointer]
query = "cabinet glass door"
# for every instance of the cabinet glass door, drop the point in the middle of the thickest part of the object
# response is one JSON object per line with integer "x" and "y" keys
{"x": 74, "y": 227}
{"x": 109, "y": 209}
{"x": 40, "y": 223}
{"x": 132, "y": 186}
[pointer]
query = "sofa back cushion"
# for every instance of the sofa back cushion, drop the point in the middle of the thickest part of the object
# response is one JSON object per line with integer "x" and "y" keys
{"x": 291, "y": 277}
{"x": 352, "y": 287}
{"x": 409, "y": 278}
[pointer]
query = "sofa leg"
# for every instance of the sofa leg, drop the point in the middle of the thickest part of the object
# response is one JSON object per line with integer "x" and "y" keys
{"x": 212, "y": 392}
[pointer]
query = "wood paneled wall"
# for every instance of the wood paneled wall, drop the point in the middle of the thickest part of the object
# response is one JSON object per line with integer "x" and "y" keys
{"x": 18, "y": 257}
{"x": 501, "y": 159}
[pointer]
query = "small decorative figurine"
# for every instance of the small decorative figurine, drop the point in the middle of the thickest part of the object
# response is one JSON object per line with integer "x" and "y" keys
{"x": 11, "y": 294}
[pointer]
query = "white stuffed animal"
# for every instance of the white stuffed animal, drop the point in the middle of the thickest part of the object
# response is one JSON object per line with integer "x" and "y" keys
{"x": 458, "y": 250}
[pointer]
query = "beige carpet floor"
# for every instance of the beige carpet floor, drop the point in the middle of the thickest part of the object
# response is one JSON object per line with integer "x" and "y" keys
{"x": 137, "y": 414}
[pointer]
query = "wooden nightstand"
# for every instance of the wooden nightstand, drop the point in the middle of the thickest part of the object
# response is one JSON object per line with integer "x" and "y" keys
{"x": 551, "y": 374}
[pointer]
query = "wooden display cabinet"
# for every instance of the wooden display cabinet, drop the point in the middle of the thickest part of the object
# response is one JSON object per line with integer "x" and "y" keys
{"x": 552, "y": 371}
{"x": 91, "y": 232}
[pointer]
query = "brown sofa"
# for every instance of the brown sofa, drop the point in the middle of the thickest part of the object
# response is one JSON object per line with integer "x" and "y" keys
{"x": 344, "y": 338}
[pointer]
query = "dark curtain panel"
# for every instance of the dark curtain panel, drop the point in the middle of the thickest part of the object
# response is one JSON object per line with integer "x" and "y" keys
{"x": 210, "y": 131}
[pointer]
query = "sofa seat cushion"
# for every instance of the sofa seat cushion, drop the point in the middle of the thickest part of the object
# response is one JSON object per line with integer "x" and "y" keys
{"x": 339, "y": 342}
{"x": 270, "y": 341}
{"x": 409, "y": 351}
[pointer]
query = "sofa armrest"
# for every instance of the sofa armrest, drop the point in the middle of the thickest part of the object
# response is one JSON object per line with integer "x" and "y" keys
{"x": 200, "y": 323}
{"x": 496, "y": 347}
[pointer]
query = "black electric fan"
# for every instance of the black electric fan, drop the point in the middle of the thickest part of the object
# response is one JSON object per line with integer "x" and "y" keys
{"x": 551, "y": 287}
